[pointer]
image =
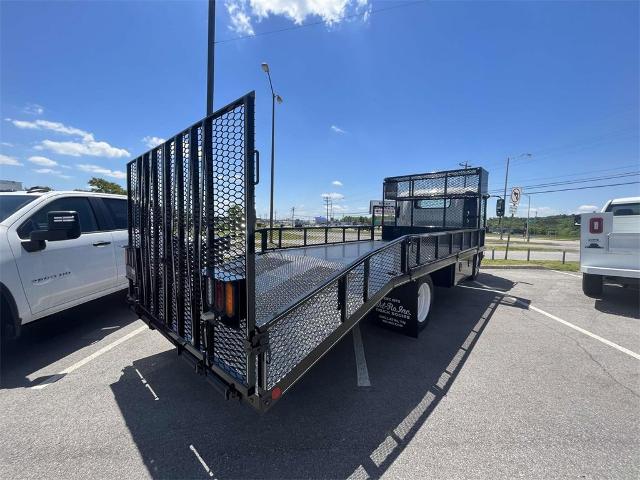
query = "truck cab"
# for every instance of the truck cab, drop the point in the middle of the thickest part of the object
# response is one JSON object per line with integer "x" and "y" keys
{"x": 58, "y": 249}
{"x": 610, "y": 246}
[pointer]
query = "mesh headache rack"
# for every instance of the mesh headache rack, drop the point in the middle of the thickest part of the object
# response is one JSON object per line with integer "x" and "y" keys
{"x": 255, "y": 309}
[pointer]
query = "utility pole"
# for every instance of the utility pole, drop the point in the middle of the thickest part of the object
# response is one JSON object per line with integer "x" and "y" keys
{"x": 506, "y": 178}
{"x": 326, "y": 202}
{"x": 211, "y": 45}
{"x": 466, "y": 165}
{"x": 293, "y": 216}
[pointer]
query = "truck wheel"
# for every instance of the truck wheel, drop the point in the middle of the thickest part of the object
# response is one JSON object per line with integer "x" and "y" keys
{"x": 425, "y": 301}
{"x": 7, "y": 322}
{"x": 592, "y": 285}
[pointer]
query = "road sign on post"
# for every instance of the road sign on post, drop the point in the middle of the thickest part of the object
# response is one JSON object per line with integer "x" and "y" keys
{"x": 516, "y": 194}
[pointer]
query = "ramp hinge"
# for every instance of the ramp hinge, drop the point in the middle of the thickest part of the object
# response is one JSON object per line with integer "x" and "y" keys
{"x": 258, "y": 343}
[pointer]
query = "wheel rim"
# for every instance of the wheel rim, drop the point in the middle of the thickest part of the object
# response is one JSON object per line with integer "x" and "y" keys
{"x": 424, "y": 302}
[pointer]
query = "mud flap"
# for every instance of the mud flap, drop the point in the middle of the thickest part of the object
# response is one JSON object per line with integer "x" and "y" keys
{"x": 398, "y": 311}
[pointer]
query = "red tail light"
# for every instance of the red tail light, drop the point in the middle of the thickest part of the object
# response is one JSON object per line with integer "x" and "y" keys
{"x": 219, "y": 295}
{"x": 596, "y": 225}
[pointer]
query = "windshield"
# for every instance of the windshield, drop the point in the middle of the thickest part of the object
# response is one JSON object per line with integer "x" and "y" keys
{"x": 624, "y": 209}
{"x": 9, "y": 204}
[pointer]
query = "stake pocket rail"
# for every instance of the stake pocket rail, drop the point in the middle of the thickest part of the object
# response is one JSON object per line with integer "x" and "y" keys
{"x": 253, "y": 310}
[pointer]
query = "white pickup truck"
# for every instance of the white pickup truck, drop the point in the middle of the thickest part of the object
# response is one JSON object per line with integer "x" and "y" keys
{"x": 610, "y": 246}
{"x": 57, "y": 250}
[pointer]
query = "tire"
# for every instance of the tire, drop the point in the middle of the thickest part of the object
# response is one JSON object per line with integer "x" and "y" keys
{"x": 425, "y": 301}
{"x": 592, "y": 285}
{"x": 7, "y": 322}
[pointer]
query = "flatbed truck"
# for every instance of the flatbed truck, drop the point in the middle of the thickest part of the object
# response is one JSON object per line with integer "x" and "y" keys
{"x": 254, "y": 309}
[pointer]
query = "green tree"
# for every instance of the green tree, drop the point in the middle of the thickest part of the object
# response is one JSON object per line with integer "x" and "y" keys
{"x": 100, "y": 185}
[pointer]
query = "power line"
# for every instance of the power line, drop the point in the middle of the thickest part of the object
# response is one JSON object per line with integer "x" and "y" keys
{"x": 313, "y": 24}
{"x": 585, "y": 188}
{"x": 570, "y": 182}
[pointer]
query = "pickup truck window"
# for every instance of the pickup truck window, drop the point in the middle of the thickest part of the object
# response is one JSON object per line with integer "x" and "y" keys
{"x": 9, "y": 204}
{"x": 623, "y": 209}
{"x": 39, "y": 220}
{"x": 118, "y": 210}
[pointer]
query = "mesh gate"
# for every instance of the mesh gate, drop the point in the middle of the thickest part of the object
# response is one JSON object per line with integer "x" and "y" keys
{"x": 191, "y": 216}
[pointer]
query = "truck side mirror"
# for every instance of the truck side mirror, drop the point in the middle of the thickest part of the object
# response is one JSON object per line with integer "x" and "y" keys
{"x": 500, "y": 207}
{"x": 576, "y": 219}
{"x": 62, "y": 225}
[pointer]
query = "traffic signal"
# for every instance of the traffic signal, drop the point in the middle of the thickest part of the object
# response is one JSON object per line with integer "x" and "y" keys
{"x": 500, "y": 207}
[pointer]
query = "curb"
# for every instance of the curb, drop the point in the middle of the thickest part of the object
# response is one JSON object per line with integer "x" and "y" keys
{"x": 513, "y": 267}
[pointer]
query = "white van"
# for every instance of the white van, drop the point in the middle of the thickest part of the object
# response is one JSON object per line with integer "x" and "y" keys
{"x": 57, "y": 250}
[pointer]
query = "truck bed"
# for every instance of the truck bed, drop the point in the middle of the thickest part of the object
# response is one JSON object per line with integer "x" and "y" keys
{"x": 285, "y": 276}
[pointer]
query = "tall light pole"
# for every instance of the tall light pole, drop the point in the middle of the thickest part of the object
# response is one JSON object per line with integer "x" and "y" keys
{"x": 211, "y": 39}
{"x": 274, "y": 98}
{"x": 506, "y": 179}
{"x": 528, "y": 213}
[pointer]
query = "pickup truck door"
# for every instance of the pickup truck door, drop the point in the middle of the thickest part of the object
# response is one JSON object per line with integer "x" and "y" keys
{"x": 66, "y": 271}
{"x": 116, "y": 209}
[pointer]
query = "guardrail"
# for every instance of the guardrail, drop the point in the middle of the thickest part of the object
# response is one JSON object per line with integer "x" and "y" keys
{"x": 268, "y": 239}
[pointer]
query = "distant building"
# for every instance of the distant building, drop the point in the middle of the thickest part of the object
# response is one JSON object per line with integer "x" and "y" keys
{"x": 10, "y": 186}
{"x": 320, "y": 220}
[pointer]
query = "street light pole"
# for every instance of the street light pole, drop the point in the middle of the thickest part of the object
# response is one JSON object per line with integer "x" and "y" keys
{"x": 528, "y": 212}
{"x": 506, "y": 177}
{"x": 274, "y": 98}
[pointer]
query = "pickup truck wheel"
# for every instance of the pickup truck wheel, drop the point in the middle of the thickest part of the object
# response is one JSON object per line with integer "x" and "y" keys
{"x": 592, "y": 285}
{"x": 7, "y": 322}
{"x": 425, "y": 300}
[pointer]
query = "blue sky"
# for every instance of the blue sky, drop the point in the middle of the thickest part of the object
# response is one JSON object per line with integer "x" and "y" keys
{"x": 85, "y": 86}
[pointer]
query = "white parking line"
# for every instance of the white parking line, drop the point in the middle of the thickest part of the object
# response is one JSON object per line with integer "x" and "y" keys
{"x": 557, "y": 319}
{"x": 93, "y": 356}
{"x": 202, "y": 462}
{"x": 567, "y": 273}
{"x": 361, "y": 361}
{"x": 146, "y": 384}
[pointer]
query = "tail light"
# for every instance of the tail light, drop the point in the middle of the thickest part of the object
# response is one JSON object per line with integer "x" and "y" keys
{"x": 227, "y": 299}
{"x": 596, "y": 225}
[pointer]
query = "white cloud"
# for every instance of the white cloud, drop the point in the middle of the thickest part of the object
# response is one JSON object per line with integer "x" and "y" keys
{"x": 101, "y": 170}
{"x": 333, "y": 195}
{"x": 543, "y": 211}
{"x": 43, "y": 161}
{"x": 87, "y": 146}
{"x": 338, "y": 130}
{"x": 243, "y": 12}
{"x": 33, "y": 109}
{"x": 152, "y": 141}
{"x": 50, "y": 171}
{"x": 587, "y": 209}
{"x": 240, "y": 19}
{"x": 77, "y": 149}
{"x": 6, "y": 144}
{"x": 337, "y": 183}
{"x": 7, "y": 160}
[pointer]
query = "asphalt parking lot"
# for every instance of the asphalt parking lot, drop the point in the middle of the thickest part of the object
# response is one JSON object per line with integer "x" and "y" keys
{"x": 517, "y": 375}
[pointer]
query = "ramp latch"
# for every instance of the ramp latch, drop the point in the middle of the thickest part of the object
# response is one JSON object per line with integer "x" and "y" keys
{"x": 258, "y": 343}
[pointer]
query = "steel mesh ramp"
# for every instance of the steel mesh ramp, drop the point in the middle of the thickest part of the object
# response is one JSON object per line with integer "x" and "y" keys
{"x": 191, "y": 221}
{"x": 286, "y": 276}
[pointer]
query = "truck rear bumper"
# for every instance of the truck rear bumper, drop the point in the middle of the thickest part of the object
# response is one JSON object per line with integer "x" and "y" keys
{"x": 611, "y": 272}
